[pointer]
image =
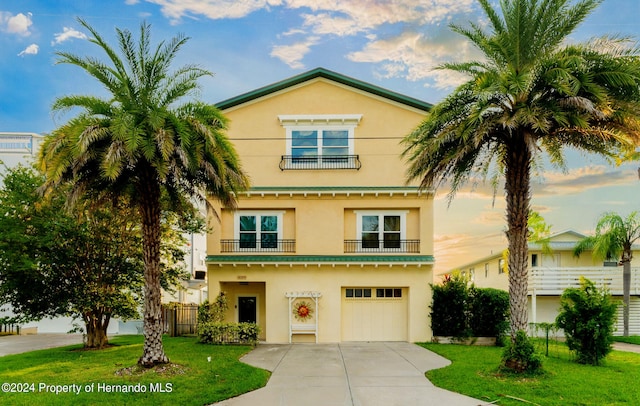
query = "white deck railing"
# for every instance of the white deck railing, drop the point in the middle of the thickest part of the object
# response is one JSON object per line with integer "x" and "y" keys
{"x": 553, "y": 281}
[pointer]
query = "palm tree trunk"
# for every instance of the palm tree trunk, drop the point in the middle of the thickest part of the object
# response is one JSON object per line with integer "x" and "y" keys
{"x": 153, "y": 350}
{"x": 517, "y": 162}
{"x": 626, "y": 289}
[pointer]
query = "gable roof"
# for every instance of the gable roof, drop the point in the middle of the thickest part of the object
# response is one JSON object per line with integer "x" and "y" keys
{"x": 326, "y": 74}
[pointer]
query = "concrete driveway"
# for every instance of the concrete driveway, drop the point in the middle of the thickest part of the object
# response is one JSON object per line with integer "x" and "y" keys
{"x": 348, "y": 374}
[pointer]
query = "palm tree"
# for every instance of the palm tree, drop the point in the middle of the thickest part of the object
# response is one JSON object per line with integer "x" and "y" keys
{"x": 613, "y": 239}
{"x": 531, "y": 93}
{"x": 143, "y": 142}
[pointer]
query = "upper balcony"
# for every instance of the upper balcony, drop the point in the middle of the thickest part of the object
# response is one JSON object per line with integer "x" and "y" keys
{"x": 350, "y": 246}
{"x": 316, "y": 162}
{"x": 553, "y": 281}
{"x": 260, "y": 246}
{"x": 382, "y": 246}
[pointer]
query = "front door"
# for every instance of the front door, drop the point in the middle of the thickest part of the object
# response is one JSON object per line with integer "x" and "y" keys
{"x": 247, "y": 306}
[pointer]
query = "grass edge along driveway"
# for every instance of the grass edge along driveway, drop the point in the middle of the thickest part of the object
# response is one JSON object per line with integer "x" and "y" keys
{"x": 474, "y": 373}
{"x": 68, "y": 375}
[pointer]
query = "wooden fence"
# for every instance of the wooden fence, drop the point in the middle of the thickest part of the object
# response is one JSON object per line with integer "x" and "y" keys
{"x": 180, "y": 319}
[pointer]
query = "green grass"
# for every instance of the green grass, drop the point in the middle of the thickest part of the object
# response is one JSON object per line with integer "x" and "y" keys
{"x": 474, "y": 372}
{"x": 630, "y": 339}
{"x": 194, "y": 382}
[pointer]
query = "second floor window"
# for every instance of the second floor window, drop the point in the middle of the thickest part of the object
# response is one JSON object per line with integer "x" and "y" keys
{"x": 384, "y": 230}
{"x": 258, "y": 230}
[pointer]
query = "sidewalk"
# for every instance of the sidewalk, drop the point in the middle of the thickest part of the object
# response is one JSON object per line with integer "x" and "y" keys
{"x": 626, "y": 347}
{"x": 14, "y": 344}
{"x": 348, "y": 374}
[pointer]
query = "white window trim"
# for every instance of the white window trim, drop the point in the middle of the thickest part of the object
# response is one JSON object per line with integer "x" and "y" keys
{"x": 236, "y": 225}
{"x": 381, "y": 214}
{"x": 320, "y": 122}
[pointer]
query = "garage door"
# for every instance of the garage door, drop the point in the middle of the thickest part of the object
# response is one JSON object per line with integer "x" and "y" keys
{"x": 374, "y": 314}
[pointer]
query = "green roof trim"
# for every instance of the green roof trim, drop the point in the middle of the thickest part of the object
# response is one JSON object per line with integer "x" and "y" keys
{"x": 326, "y": 74}
{"x": 323, "y": 258}
{"x": 335, "y": 188}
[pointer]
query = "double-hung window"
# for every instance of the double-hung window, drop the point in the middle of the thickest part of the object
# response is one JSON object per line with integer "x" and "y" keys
{"x": 319, "y": 145}
{"x": 381, "y": 230}
{"x": 258, "y": 230}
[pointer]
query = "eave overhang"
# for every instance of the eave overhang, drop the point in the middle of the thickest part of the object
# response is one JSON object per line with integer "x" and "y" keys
{"x": 322, "y": 260}
{"x": 346, "y": 191}
{"x": 329, "y": 75}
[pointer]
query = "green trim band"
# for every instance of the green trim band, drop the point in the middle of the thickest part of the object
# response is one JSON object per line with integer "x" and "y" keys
{"x": 428, "y": 259}
{"x": 334, "y": 188}
{"x": 327, "y": 74}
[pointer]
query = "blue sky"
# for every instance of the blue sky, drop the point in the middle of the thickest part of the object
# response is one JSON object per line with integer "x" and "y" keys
{"x": 252, "y": 43}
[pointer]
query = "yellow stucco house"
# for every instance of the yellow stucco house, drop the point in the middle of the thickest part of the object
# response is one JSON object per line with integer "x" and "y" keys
{"x": 329, "y": 244}
{"x": 550, "y": 274}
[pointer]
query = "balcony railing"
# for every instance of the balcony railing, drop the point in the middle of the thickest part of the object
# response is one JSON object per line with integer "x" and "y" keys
{"x": 553, "y": 281}
{"x": 16, "y": 143}
{"x": 258, "y": 246}
{"x": 288, "y": 162}
{"x": 381, "y": 246}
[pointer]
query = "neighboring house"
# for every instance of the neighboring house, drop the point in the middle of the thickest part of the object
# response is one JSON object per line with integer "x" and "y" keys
{"x": 329, "y": 244}
{"x": 18, "y": 148}
{"x": 22, "y": 148}
{"x": 550, "y": 274}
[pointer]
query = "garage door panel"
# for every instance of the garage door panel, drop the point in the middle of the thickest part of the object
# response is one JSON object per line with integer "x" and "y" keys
{"x": 374, "y": 319}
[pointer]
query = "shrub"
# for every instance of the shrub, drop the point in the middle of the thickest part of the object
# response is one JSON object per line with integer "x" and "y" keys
{"x": 213, "y": 312}
{"x": 228, "y": 333}
{"x": 587, "y": 317}
{"x": 461, "y": 311}
{"x": 520, "y": 355}
{"x": 449, "y": 308}
{"x": 488, "y": 312}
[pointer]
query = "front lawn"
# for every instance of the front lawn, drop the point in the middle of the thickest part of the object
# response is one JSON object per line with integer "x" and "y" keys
{"x": 474, "y": 373}
{"x": 102, "y": 377}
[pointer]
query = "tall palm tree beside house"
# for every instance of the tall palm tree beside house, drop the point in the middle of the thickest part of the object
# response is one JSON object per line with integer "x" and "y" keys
{"x": 613, "y": 239}
{"x": 146, "y": 141}
{"x": 531, "y": 93}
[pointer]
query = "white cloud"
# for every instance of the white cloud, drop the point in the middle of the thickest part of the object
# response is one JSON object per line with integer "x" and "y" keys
{"x": 16, "y": 24}
{"x": 175, "y": 10}
{"x": 415, "y": 56}
{"x": 405, "y": 51}
{"x": 580, "y": 179}
{"x": 293, "y": 54}
{"x": 30, "y": 50}
{"x": 67, "y": 34}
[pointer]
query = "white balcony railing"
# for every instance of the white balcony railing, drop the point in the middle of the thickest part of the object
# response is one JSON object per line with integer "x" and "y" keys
{"x": 553, "y": 281}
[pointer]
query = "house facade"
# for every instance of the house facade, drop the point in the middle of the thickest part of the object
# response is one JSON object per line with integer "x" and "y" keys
{"x": 329, "y": 244}
{"x": 552, "y": 272}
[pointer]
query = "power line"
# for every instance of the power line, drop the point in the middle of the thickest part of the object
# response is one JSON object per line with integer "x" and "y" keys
{"x": 289, "y": 138}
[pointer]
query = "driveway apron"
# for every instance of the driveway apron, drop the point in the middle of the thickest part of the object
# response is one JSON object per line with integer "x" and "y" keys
{"x": 348, "y": 374}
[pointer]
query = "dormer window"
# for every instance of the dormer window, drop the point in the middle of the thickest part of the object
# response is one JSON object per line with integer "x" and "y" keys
{"x": 320, "y": 141}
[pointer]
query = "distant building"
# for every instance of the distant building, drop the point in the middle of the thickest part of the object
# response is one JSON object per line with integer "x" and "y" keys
{"x": 18, "y": 148}
{"x": 550, "y": 274}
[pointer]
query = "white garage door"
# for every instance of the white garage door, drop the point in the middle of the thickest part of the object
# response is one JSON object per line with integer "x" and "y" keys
{"x": 374, "y": 314}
